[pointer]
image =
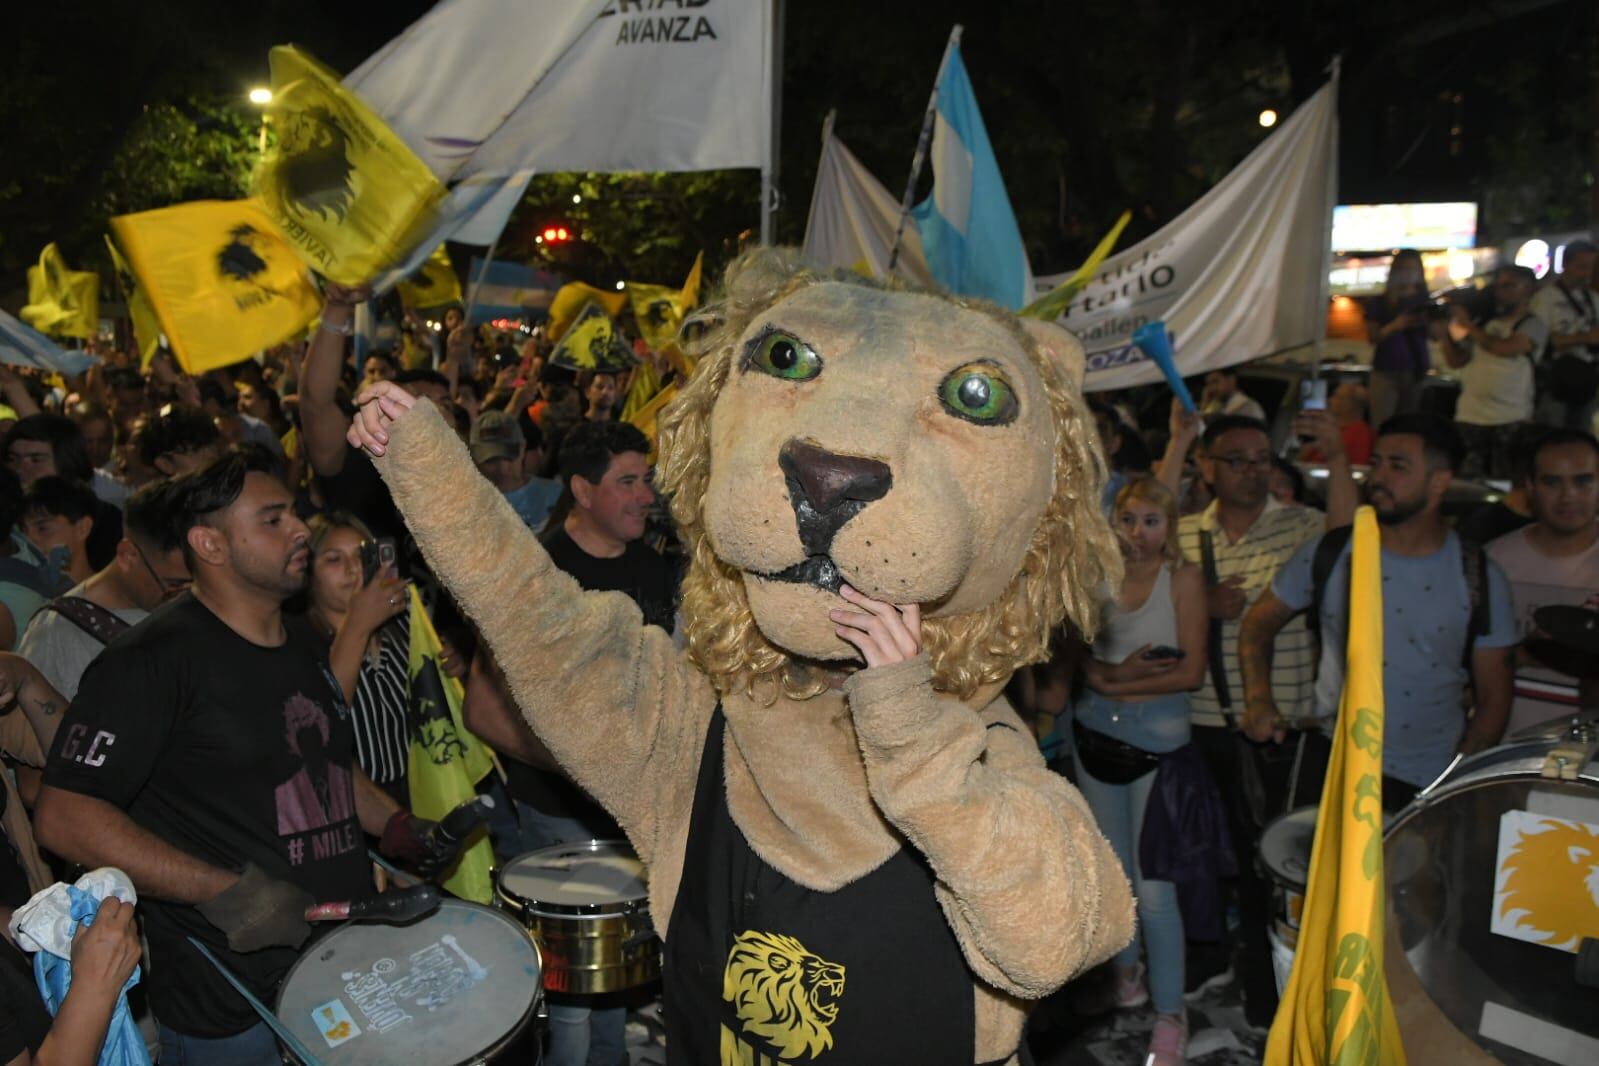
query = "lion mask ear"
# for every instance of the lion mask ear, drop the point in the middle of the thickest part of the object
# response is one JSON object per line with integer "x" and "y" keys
{"x": 1064, "y": 348}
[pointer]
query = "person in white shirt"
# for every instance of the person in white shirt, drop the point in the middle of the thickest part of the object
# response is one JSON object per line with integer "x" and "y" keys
{"x": 1222, "y": 396}
{"x": 1570, "y": 382}
{"x": 1495, "y": 365}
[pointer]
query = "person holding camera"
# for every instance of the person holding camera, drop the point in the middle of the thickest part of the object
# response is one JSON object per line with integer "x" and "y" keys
{"x": 358, "y": 603}
{"x": 1149, "y": 655}
{"x": 1396, "y": 324}
{"x": 1495, "y": 361}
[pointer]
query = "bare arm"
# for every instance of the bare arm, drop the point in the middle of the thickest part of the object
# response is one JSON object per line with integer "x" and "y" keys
{"x": 1557, "y": 341}
{"x": 1184, "y": 427}
{"x": 1256, "y": 634}
{"x": 490, "y": 713}
{"x": 21, "y": 681}
{"x": 94, "y": 833}
{"x": 1510, "y": 347}
{"x": 373, "y": 806}
{"x": 1327, "y": 436}
{"x": 1492, "y": 677}
{"x": 16, "y": 395}
{"x": 103, "y": 956}
{"x": 322, "y": 423}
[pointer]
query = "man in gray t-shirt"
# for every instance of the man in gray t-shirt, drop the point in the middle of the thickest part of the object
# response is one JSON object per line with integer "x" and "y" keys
{"x": 1429, "y": 654}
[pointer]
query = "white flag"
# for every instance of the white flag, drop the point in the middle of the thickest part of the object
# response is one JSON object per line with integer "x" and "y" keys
{"x": 1241, "y": 274}
{"x": 490, "y": 92}
{"x": 853, "y": 218}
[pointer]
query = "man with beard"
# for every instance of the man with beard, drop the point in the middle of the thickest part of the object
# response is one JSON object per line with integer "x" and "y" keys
{"x": 210, "y": 755}
{"x": 1553, "y": 561}
{"x": 1448, "y": 622}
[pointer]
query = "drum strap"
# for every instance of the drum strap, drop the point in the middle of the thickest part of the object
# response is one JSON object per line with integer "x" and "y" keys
{"x": 279, "y": 1030}
{"x": 1218, "y": 662}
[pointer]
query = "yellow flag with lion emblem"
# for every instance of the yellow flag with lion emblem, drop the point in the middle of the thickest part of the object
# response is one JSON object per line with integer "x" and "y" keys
{"x": 659, "y": 309}
{"x": 61, "y": 302}
{"x": 1336, "y": 1009}
{"x": 347, "y": 192}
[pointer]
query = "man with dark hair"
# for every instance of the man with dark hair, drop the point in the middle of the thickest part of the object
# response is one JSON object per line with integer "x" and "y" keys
{"x": 1222, "y": 396}
{"x": 99, "y": 432}
{"x": 1553, "y": 561}
{"x": 177, "y": 440}
{"x": 1507, "y": 513}
{"x": 60, "y": 514}
{"x": 1448, "y": 624}
{"x": 44, "y": 445}
{"x": 1495, "y": 361}
{"x": 148, "y": 570}
{"x": 605, "y": 503}
{"x": 1571, "y": 308}
{"x": 172, "y": 765}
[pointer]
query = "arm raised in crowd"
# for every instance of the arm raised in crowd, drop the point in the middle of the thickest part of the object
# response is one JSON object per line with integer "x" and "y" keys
{"x": 617, "y": 704}
{"x": 1256, "y": 635}
{"x": 1323, "y": 430}
{"x": 1185, "y": 427}
{"x": 321, "y": 421}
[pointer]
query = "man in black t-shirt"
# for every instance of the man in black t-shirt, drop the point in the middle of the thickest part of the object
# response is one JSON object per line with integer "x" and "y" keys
{"x": 210, "y": 755}
{"x": 606, "y": 501}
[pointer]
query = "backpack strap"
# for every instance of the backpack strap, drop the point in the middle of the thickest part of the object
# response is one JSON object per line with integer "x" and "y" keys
{"x": 1218, "y": 662}
{"x": 100, "y": 623}
{"x": 1328, "y": 549}
{"x": 1474, "y": 566}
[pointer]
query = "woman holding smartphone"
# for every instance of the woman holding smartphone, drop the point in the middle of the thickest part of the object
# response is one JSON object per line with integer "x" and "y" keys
{"x": 1150, "y": 653}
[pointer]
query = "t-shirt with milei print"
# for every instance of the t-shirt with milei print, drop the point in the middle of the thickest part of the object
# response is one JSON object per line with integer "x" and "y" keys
{"x": 234, "y": 753}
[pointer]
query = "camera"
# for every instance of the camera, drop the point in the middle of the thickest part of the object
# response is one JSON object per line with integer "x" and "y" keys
{"x": 377, "y": 555}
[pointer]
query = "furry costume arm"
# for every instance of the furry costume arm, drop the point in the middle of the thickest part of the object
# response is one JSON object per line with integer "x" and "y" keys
{"x": 616, "y": 703}
{"x": 1031, "y": 888}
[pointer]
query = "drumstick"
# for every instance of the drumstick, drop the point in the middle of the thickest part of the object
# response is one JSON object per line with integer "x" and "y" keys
{"x": 393, "y": 907}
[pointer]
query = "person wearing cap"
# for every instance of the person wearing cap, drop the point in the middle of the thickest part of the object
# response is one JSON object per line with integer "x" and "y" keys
{"x": 501, "y": 450}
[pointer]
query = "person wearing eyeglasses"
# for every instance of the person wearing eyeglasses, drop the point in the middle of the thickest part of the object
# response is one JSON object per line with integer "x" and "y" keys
{"x": 148, "y": 569}
{"x": 1239, "y": 541}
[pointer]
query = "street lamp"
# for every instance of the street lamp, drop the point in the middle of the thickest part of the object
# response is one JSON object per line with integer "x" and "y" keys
{"x": 260, "y": 96}
{"x": 1268, "y": 118}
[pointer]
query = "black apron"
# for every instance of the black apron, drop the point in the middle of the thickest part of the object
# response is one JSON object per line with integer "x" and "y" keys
{"x": 760, "y": 970}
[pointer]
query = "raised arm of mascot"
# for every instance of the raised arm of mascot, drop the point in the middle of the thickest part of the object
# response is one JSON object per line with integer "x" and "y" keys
{"x": 858, "y": 474}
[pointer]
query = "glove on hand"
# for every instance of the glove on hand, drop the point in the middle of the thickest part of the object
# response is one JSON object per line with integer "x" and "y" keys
{"x": 418, "y": 843}
{"x": 260, "y": 912}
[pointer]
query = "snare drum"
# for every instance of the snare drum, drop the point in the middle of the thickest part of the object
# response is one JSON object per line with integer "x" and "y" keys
{"x": 588, "y": 906}
{"x": 1285, "y": 855}
{"x": 1491, "y": 877}
{"x": 455, "y": 987}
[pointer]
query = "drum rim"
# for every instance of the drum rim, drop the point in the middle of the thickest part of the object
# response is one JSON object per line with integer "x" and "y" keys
{"x": 622, "y": 908}
{"x": 500, "y": 1044}
{"x": 1424, "y": 801}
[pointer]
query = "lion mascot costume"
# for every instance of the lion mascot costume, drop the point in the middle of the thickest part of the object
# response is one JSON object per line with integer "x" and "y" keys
{"x": 847, "y": 864}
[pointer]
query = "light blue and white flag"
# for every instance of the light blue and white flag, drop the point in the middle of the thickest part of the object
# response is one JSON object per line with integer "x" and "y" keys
{"x": 968, "y": 230}
{"x": 22, "y": 345}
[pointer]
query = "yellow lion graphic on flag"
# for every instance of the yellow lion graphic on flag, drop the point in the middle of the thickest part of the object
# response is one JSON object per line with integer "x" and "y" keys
{"x": 1552, "y": 891}
{"x": 782, "y": 993}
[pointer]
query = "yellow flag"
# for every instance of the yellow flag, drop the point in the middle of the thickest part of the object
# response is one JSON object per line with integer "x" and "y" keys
{"x": 1049, "y": 306}
{"x": 659, "y": 309}
{"x": 62, "y": 302}
{"x": 593, "y": 344}
{"x": 643, "y": 388}
{"x": 433, "y": 285}
{"x": 647, "y": 416}
{"x": 570, "y": 300}
{"x": 146, "y": 326}
{"x": 345, "y": 190}
{"x": 224, "y": 285}
{"x": 1336, "y": 1010}
{"x": 446, "y": 761}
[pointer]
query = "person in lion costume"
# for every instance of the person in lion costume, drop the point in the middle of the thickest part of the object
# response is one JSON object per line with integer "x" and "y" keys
{"x": 889, "y": 499}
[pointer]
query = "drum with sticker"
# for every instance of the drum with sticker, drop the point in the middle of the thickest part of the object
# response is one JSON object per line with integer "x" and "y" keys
{"x": 456, "y": 987}
{"x": 1493, "y": 891}
{"x": 588, "y": 905}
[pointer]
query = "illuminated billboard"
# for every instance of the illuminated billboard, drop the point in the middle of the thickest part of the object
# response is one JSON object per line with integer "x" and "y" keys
{"x": 1376, "y": 227}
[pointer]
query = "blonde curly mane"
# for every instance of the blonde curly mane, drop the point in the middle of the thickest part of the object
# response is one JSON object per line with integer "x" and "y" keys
{"x": 1072, "y": 555}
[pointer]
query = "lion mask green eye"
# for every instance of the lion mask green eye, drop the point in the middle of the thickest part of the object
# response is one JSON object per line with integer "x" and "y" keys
{"x": 785, "y": 356}
{"x": 979, "y": 392}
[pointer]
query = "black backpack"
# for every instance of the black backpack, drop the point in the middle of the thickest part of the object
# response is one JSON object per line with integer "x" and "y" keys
{"x": 1473, "y": 563}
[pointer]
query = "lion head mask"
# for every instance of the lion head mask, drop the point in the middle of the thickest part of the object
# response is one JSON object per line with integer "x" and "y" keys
{"x": 919, "y": 447}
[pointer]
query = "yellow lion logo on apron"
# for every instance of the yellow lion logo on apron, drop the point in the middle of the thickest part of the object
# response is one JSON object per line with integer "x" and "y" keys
{"x": 782, "y": 993}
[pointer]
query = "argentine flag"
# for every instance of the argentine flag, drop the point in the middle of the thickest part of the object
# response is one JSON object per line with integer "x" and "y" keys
{"x": 968, "y": 230}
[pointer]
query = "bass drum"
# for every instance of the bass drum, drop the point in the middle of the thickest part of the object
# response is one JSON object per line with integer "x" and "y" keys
{"x": 1493, "y": 881}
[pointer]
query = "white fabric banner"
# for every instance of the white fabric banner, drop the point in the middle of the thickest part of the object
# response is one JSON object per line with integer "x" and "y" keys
{"x": 852, "y": 220}
{"x": 497, "y": 87}
{"x": 1241, "y": 274}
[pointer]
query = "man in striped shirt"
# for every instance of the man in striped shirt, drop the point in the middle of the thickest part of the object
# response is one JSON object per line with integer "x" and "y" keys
{"x": 1240, "y": 541}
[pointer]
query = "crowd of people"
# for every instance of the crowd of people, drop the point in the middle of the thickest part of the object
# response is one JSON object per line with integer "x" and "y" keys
{"x": 205, "y": 596}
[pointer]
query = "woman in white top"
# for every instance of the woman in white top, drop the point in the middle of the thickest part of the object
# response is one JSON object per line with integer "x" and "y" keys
{"x": 1150, "y": 653}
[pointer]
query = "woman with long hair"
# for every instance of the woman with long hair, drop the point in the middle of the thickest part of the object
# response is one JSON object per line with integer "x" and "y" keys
{"x": 1150, "y": 653}
{"x": 368, "y": 628}
{"x": 1396, "y": 323}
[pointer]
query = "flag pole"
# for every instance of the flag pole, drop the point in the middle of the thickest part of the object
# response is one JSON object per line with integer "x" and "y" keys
{"x": 1324, "y": 282}
{"x": 774, "y": 74}
{"x": 922, "y": 143}
{"x": 477, "y": 281}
